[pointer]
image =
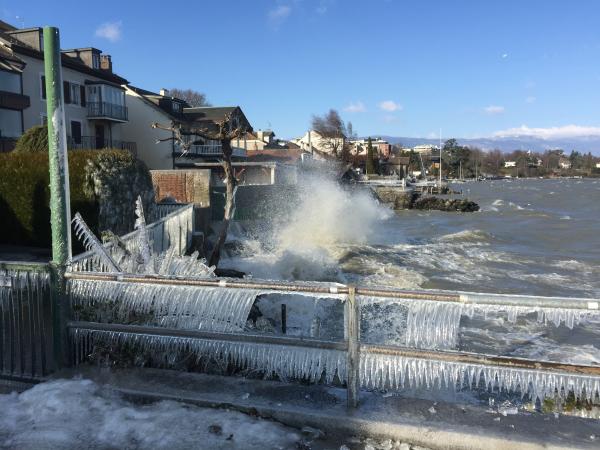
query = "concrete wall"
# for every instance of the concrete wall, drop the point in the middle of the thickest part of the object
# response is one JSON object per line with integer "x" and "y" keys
{"x": 185, "y": 186}
{"x": 141, "y": 115}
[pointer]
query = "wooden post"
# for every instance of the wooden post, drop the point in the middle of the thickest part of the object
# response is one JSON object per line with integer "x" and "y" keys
{"x": 283, "y": 318}
{"x": 352, "y": 310}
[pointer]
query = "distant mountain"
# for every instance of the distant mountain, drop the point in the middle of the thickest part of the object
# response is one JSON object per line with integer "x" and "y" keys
{"x": 507, "y": 144}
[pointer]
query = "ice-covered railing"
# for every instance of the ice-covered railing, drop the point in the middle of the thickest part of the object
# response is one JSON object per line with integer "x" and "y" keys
{"x": 172, "y": 231}
{"x": 25, "y": 320}
{"x": 420, "y": 359}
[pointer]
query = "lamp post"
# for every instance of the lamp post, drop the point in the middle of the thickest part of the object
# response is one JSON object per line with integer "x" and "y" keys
{"x": 60, "y": 208}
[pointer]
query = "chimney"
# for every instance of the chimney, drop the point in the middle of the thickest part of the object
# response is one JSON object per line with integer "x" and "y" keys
{"x": 164, "y": 92}
{"x": 106, "y": 63}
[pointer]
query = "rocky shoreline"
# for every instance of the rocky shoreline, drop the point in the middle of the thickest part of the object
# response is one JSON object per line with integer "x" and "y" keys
{"x": 399, "y": 199}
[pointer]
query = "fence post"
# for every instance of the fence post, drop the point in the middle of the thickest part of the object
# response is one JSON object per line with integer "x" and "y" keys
{"x": 60, "y": 209}
{"x": 353, "y": 336}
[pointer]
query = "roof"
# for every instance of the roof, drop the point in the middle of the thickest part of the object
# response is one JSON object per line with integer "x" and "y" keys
{"x": 159, "y": 101}
{"x": 20, "y": 48}
{"x": 9, "y": 61}
{"x": 213, "y": 114}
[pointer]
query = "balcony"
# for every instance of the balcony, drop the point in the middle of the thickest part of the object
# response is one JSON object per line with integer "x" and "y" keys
{"x": 210, "y": 151}
{"x": 107, "y": 111}
{"x": 92, "y": 143}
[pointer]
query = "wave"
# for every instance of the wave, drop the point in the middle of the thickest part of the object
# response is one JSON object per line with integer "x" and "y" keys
{"x": 474, "y": 235}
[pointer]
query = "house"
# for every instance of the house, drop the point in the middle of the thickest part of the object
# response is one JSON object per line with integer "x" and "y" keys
{"x": 598, "y": 165}
{"x": 382, "y": 147}
{"x": 564, "y": 163}
{"x": 510, "y": 164}
{"x": 147, "y": 107}
{"x": 95, "y": 107}
{"x": 425, "y": 149}
{"x": 320, "y": 146}
{"x": 12, "y": 99}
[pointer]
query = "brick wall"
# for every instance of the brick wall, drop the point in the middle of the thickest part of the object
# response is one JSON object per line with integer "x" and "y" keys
{"x": 185, "y": 186}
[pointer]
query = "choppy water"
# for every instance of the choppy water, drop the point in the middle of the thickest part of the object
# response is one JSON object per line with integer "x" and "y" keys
{"x": 538, "y": 237}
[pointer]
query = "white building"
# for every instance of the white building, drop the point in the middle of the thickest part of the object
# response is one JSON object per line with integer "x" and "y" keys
{"x": 426, "y": 149}
{"x": 313, "y": 140}
{"x": 510, "y": 164}
{"x": 95, "y": 107}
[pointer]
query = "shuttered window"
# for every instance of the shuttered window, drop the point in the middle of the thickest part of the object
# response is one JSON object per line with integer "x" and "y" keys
{"x": 66, "y": 92}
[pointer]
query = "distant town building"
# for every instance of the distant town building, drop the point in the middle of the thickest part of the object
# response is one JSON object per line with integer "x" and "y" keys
{"x": 564, "y": 163}
{"x": 382, "y": 147}
{"x": 425, "y": 149}
{"x": 510, "y": 164}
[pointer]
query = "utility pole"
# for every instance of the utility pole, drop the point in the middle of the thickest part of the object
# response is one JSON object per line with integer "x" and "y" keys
{"x": 60, "y": 207}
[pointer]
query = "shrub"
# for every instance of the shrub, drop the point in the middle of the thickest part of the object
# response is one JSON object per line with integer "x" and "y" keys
{"x": 25, "y": 196}
{"x": 34, "y": 140}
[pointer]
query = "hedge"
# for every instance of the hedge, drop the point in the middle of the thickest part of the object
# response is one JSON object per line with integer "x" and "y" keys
{"x": 25, "y": 196}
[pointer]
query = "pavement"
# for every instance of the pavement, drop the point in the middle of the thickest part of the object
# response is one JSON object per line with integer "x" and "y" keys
{"x": 422, "y": 422}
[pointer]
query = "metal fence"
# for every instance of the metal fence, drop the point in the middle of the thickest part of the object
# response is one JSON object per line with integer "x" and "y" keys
{"x": 174, "y": 228}
{"x": 356, "y": 364}
{"x": 26, "y": 350}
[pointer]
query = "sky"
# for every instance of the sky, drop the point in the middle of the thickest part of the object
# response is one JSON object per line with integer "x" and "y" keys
{"x": 391, "y": 67}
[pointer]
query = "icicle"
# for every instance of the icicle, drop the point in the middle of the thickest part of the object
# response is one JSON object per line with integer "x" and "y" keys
{"x": 414, "y": 323}
{"x": 89, "y": 240}
{"x": 423, "y": 373}
{"x": 143, "y": 240}
{"x": 288, "y": 362}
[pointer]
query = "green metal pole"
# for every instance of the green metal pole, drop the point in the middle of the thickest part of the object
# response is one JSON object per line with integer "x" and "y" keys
{"x": 60, "y": 209}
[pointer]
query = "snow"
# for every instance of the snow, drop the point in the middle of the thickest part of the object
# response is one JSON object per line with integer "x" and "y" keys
{"x": 78, "y": 413}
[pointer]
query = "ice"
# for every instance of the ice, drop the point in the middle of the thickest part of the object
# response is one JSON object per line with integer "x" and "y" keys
{"x": 285, "y": 361}
{"x": 68, "y": 414}
{"x": 412, "y": 323}
{"x": 144, "y": 246}
{"x": 91, "y": 243}
{"x": 399, "y": 372}
{"x": 173, "y": 306}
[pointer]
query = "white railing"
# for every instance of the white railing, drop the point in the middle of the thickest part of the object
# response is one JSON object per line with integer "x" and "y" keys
{"x": 174, "y": 228}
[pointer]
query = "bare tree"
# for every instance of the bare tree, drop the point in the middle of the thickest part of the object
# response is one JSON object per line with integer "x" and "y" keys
{"x": 332, "y": 130}
{"x": 193, "y": 98}
{"x": 224, "y": 131}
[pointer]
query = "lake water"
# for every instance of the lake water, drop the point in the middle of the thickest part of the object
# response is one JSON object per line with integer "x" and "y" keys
{"x": 531, "y": 236}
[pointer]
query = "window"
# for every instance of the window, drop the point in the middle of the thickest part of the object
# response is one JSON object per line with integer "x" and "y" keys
{"x": 95, "y": 60}
{"x": 43, "y": 87}
{"x": 43, "y": 119}
{"x": 75, "y": 93}
{"x": 10, "y": 82}
{"x": 66, "y": 92}
{"x": 176, "y": 107}
{"x": 76, "y": 131}
{"x": 10, "y": 123}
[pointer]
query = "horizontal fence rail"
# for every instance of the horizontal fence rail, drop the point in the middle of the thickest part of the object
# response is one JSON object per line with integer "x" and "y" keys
{"x": 174, "y": 227}
{"x": 25, "y": 321}
{"x": 467, "y": 298}
{"x": 355, "y": 363}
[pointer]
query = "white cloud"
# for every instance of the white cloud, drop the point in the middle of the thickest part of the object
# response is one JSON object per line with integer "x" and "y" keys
{"x": 323, "y": 7}
{"x": 110, "y": 31}
{"x": 355, "y": 107}
{"x": 279, "y": 14}
{"x": 530, "y": 99}
{"x": 390, "y": 105}
{"x": 504, "y": 55}
{"x": 493, "y": 109}
{"x": 566, "y": 131}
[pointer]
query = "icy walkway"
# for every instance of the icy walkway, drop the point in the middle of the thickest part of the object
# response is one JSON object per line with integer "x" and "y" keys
{"x": 421, "y": 422}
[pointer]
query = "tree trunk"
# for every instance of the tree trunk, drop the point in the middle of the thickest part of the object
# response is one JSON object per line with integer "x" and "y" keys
{"x": 230, "y": 181}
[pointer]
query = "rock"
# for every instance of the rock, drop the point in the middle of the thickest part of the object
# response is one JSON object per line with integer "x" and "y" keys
{"x": 230, "y": 273}
{"x": 441, "y": 204}
{"x": 215, "y": 429}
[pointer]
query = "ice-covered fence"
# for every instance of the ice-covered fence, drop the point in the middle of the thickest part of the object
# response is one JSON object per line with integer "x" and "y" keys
{"x": 422, "y": 360}
{"x": 173, "y": 229}
{"x": 25, "y": 320}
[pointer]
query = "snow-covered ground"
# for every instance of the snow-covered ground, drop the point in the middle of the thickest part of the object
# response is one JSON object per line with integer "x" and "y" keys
{"x": 79, "y": 414}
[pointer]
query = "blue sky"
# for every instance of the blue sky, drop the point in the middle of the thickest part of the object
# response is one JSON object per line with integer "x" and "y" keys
{"x": 392, "y": 67}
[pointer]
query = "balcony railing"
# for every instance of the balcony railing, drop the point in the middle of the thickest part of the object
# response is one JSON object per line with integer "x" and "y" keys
{"x": 214, "y": 150}
{"x": 106, "y": 110}
{"x": 93, "y": 142}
